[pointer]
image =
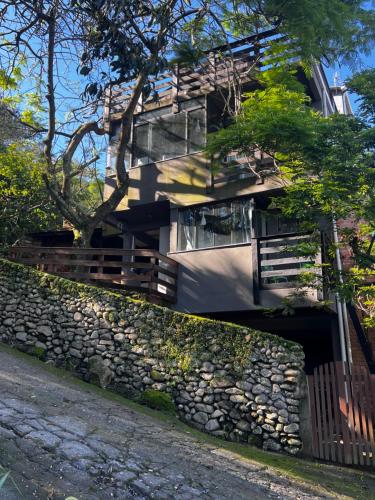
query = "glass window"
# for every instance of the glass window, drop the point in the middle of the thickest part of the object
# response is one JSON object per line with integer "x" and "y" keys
{"x": 273, "y": 223}
{"x": 161, "y": 134}
{"x": 214, "y": 225}
{"x": 141, "y": 148}
{"x": 196, "y": 130}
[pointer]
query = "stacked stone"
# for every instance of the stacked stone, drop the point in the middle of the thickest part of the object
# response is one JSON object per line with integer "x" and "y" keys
{"x": 122, "y": 342}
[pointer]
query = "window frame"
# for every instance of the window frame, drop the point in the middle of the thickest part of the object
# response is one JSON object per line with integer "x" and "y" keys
{"x": 216, "y": 205}
{"x": 141, "y": 120}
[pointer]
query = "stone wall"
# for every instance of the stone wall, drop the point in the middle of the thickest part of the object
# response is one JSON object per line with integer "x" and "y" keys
{"x": 224, "y": 379}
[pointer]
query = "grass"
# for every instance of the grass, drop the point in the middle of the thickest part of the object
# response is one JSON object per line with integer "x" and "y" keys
{"x": 5, "y": 477}
{"x": 322, "y": 478}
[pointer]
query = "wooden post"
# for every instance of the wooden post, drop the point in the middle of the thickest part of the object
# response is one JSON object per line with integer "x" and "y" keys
{"x": 255, "y": 253}
{"x": 175, "y": 88}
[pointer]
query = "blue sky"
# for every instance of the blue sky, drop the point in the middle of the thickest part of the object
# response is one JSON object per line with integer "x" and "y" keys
{"x": 345, "y": 72}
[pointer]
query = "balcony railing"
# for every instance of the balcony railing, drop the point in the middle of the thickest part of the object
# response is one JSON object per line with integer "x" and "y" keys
{"x": 222, "y": 66}
{"x": 277, "y": 263}
{"x": 144, "y": 271}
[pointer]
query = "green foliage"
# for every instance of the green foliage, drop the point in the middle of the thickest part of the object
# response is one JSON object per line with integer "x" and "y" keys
{"x": 3, "y": 478}
{"x": 24, "y": 203}
{"x": 177, "y": 355}
{"x": 186, "y": 337}
{"x": 157, "y": 400}
{"x": 333, "y": 29}
{"x": 38, "y": 352}
{"x": 327, "y": 165}
{"x": 363, "y": 84}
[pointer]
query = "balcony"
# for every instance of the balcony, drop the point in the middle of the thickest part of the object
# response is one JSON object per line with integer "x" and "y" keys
{"x": 277, "y": 263}
{"x": 143, "y": 271}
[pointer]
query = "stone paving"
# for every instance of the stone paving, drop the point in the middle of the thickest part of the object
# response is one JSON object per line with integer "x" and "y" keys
{"x": 60, "y": 439}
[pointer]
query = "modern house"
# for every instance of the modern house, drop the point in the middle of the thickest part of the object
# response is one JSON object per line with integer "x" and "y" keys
{"x": 231, "y": 249}
{"x": 234, "y": 255}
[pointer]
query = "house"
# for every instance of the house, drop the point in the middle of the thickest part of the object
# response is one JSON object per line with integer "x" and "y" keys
{"x": 229, "y": 246}
{"x": 215, "y": 224}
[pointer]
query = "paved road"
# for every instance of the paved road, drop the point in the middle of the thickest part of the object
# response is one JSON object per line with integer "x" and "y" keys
{"x": 61, "y": 439}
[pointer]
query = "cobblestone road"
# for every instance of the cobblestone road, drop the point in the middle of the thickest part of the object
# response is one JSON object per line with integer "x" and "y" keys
{"x": 61, "y": 439}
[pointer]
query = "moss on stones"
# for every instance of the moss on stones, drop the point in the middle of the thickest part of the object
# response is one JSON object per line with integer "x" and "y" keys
{"x": 157, "y": 400}
{"x": 38, "y": 352}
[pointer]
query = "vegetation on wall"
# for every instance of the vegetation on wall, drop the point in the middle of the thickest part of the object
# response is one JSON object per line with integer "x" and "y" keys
{"x": 186, "y": 339}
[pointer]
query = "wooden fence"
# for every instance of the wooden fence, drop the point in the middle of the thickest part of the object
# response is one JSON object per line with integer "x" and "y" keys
{"x": 343, "y": 414}
{"x": 145, "y": 271}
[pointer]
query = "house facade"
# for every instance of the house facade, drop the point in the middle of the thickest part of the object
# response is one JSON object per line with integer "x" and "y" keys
{"x": 235, "y": 255}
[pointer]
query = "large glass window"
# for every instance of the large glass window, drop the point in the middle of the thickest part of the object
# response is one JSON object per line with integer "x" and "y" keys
{"x": 217, "y": 224}
{"x": 159, "y": 135}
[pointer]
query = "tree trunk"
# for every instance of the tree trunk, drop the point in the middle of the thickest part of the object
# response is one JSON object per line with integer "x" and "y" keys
{"x": 82, "y": 237}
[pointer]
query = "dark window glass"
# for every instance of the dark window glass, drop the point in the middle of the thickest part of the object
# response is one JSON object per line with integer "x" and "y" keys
{"x": 160, "y": 135}
{"x": 141, "y": 144}
{"x": 196, "y": 130}
{"x": 168, "y": 137}
{"x": 214, "y": 225}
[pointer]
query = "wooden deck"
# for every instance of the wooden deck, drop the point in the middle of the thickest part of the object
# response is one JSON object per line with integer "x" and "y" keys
{"x": 144, "y": 271}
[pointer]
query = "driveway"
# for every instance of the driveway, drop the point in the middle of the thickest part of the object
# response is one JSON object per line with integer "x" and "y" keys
{"x": 60, "y": 438}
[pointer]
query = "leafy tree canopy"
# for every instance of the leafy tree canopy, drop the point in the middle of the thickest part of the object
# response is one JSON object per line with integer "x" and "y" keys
{"x": 59, "y": 58}
{"x": 24, "y": 203}
{"x": 326, "y": 166}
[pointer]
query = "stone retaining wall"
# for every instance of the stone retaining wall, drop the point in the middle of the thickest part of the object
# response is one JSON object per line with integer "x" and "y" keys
{"x": 224, "y": 379}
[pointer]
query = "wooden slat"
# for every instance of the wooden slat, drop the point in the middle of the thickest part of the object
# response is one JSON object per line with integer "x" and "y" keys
{"x": 94, "y": 251}
{"x": 314, "y": 426}
{"x": 160, "y": 281}
{"x": 351, "y": 418}
{"x": 363, "y": 420}
{"x": 324, "y": 413}
{"x": 89, "y": 263}
{"x": 287, "y": 260}
{"x": 106, "y": 277}
{"x": 288, "y": 236}
{"x": 287, "y": 272}
{"x": 335, "y": 402}
{"x": 318, "y": 413}
{"x": 343, "y": 407}
{"x": 281, "y": 285}
{"x": 277, "y": 249}
{"x": 331, "y": 444}
{"x": 165, "y": 271}
{"x": 370, "y": 411}
{"x": 359, "y": 431}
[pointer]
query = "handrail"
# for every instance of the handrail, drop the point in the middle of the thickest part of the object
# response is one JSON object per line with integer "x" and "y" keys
{"x": 157, "y": 276}
{"x": 102, "y": 251}
{"x": 283, "y": 236}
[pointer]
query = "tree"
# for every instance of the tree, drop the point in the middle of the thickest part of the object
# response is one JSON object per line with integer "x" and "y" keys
{"x": 112, "y": 42}
{"x": 25, "y": 206}
{"x": 109, "y": 42}
{"x": 327, "y": 167}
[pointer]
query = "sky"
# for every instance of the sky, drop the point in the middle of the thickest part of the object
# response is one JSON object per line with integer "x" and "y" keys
{"x": 344, "y": 72}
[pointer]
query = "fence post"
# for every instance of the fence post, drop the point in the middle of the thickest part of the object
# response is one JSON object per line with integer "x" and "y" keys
{"x": 305, "y": 415}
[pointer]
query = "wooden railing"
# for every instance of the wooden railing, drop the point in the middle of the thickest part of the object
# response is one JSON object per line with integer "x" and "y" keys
{"x": 145, "y": 271}
{"x": 277, "y": 263}
{"x": 221, "y": 67}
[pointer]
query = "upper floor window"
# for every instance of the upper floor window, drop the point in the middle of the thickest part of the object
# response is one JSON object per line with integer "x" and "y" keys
{"x": 217, "y": 224}
{"x": 160, "y": 135}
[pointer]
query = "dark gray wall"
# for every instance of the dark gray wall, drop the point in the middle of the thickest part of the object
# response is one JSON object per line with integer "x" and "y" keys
{"x": 217, "y": 279}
